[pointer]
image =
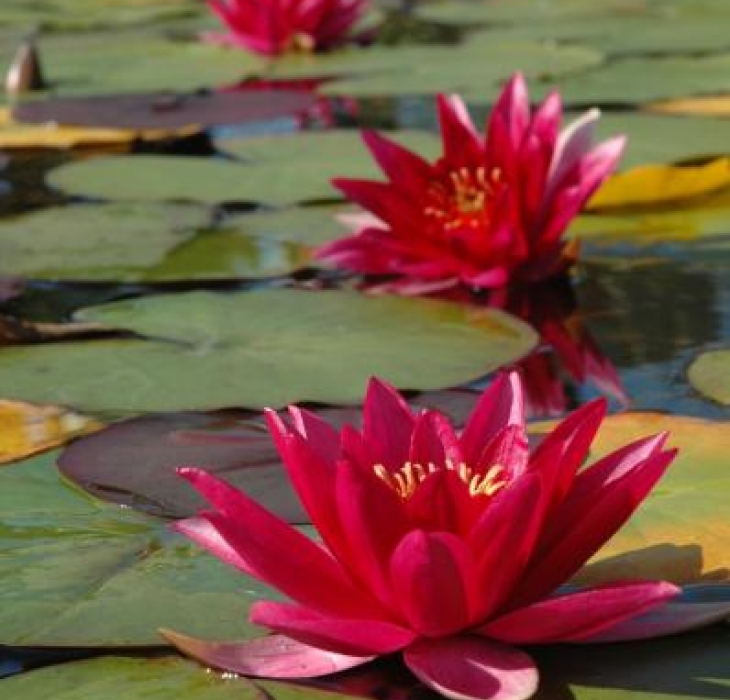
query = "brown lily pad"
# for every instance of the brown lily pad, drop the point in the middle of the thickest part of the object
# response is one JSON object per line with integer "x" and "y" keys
{"x": 165, "y": 110}
{"x": 133, "y": 462}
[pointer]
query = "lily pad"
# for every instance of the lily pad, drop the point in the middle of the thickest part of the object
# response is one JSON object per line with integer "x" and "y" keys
{"x": 133, "y": 462}
{"x": 165, "y": 110}
{"x": 203, "y": 350}
{"x": 639, "y": 80}
{"x": 112, "y": 62}
{"x": 32, "y": 136}
{"x": 189, "y": 178}
{"x": 710, "y": 375}
{"x": 649, "y": 228}
{"x": 475, "y": 68}
{"x": 160, "y": 677}
{"x": 75, "y": 572}
{"x": 654, "y": 185}
{"x": 311, "y": 226}
{"x": 687, "y": 667}
{"x": 665, "y": 139}
{"x": 96, "y": 242}
{"x": 27, "y": 429}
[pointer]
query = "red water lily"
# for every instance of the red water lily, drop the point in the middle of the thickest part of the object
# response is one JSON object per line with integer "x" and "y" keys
{"x": 273, "y": 27}
{"x": 490, "y": 210}
{"x": 449, "y": 548}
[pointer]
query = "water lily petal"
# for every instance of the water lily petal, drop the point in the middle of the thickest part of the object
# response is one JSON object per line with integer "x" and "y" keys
{"x": 697, "y": 606}
{"x": 575, "y": 616}
{"x": 273, "y": 656}
{"x": 575, "y": 433}
{"x": 312, "y": 477}
{"x": 203, "y": 532}
{"x": 588, "y": 486}
{"x": 368, "y": 541}
{"x": 350, "y": 637}
{"x": 500, "y": 405}
{"x": 461, "y": 143}
{"x": 573, "y": 143}
{"x": 600, "y": 520}
{"x": 508, "y": 122}
{"x": 430, "y": 574}
{"x": 387, "y": 424}
{"x": 508, "y": 449}
{"x": 470, "y": 668}
{"x": 321, "y": 436}
{"x": 503, "y": 539}
{"x": 404, "y": 167}
{"x": 308, "y": 574}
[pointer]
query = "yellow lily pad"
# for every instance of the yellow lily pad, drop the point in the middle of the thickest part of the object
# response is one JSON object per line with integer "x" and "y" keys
{"x": 27, "y": 429}
{"x": 655, "y": 185}
{"x": 710, "y": 106}
{"x": 23, "y": 136}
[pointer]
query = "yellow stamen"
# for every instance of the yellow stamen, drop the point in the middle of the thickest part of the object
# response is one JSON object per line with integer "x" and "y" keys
{"x": 405, "y": 481}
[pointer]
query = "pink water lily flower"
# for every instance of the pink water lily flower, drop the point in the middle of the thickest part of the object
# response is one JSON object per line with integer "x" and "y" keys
{"x": 273, "y": 27}
{"x": 491, "y": 210}
{"x": 447, "y": 548}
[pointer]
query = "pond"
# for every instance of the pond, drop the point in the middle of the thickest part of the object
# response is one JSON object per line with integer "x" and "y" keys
{"x": 187, "y": 238}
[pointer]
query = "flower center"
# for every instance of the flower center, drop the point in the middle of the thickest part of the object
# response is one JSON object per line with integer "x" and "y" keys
{"x": 463, "y": 197}
{"x": 406, "y": 480}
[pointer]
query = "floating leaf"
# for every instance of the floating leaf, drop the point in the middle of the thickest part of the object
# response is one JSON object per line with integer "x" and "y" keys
{"x": 638, "y": 80}
{"x": 115, "y": 575}
{"x": 663, "y": 139}
{"x": 26, "y": 429}
{"x": 98, "y": 63}
{"x": 312, "y": 226}
{"x": 647, "y": 228}
{"x": 160, "y": 677}
{"x": 96, "y": 242}
{"x": 475, "y": 69}
{"x": 189, "y": 178}
{"x": 710, "y": 375}
{"x": 16, "y": 136}
{"x": 712, "y": 106}
{"x": 165, "y": 111}
{"x": 134, "y": 462}
{"x": 652, "y": 185}
{"x": 254, "y": 349}
{"x": 686, "y": 667}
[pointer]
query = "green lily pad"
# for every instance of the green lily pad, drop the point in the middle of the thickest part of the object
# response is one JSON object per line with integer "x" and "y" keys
{"x": 90, "y": 14}
{"x": 647, "y": 228}
{"x": 160, "y": 677}
{"x": 311, "y": 226}
{"x": 710, "y": 375}
{"x": 93, "y": 63}
{"x": 96, "y": 242}
{"x": 686, "y": 667}
{"x": 476, "y": 67}
{"x": 75, "y": 572}
{"x": 640, "y": 80}
{"x": 665, "y": 139}
{"x": 278, "y": 170}
{"x": 203, "y": 350}
{"x": 154, "y": 178}
{"x": 299, "y": 167}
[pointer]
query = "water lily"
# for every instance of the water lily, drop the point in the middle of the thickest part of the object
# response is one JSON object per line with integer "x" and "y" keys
{"x": 447, "y": 548}
{"x": 273, "y": 27}
{"x": 491, "y": 210}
